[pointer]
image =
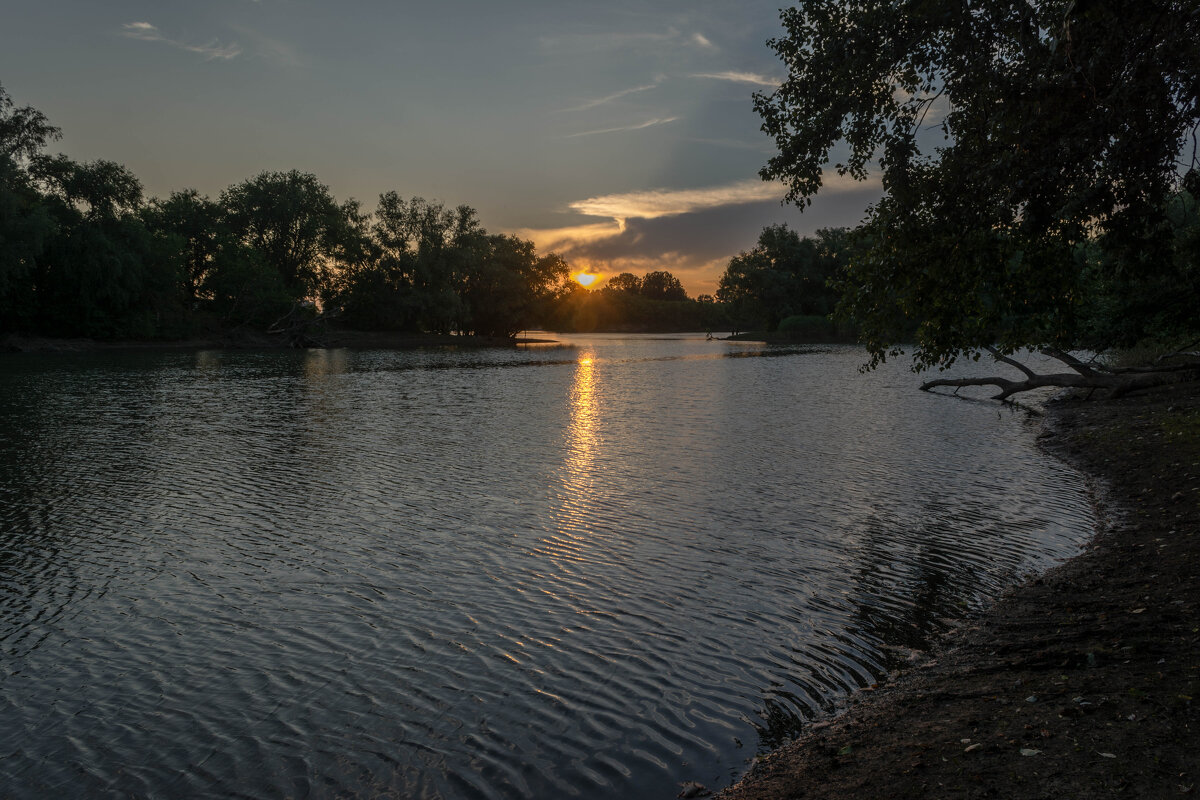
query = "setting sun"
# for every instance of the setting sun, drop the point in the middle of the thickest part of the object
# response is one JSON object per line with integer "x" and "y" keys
{"x": 585, "y": 278}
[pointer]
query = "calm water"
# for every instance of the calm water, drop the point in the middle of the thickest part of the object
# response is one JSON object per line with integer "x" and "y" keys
{"x": 594, "y": 570}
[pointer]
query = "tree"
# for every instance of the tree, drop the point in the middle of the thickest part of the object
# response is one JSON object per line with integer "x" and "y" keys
{"x": 508, "y": 285}
{"x": 25, "y": 222}
{"x": 197, "y": 225}
{"x": 98, "y": 189}
{"x": 292, "y": 220}
{"x": 784, "y": 275}
{"x": 24, "y": 131}
{"x": 662, "y": 285}
{"x": 626, "y": 282}
{"x": 1010, "y": 135}
{"x": 102, "y": 273}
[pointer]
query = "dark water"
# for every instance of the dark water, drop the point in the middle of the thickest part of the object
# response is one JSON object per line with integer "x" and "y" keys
{"x": 588, "y": 571}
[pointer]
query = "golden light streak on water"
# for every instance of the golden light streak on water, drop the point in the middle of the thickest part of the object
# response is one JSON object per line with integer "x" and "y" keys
{"x": 579, "y": 477}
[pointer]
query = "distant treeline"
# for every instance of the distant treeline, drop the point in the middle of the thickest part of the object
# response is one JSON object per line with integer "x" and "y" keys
{"x": 782, "y": 286}
{"x": 83, "y": 253}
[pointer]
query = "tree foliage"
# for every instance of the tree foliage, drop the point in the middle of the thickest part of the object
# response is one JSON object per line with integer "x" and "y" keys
{"x": 83, "y": 254}
{"x": 626, "y": 282}
{"x": 784, "y": 275}
{"x": 1010, "y": 136}
{"x": 292, "y": 220}
{"x": 661, "y": 285}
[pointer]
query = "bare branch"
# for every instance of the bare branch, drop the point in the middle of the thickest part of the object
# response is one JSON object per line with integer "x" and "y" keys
{"x": 1116, "y": 384}
{"x": 1070, "y": 360}
{"x": 1012, "y": 362}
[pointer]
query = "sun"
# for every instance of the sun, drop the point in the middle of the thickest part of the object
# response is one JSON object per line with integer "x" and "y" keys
{"x": 585, "y": 278}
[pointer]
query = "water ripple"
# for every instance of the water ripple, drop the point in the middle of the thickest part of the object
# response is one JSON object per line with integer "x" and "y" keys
{"x": 583, "y": 571}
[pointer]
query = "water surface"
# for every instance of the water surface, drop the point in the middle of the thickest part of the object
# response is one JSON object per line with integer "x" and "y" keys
{"x": 593, "y": 570}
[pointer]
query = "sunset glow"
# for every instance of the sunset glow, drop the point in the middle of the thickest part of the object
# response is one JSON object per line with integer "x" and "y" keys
{"x": 585, "y": 278}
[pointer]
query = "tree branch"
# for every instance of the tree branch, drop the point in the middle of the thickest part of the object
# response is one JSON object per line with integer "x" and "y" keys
{"x": 1116, "y": 384}
{"x": 1012, "y": 362}
{"x": 1070, "y": 360}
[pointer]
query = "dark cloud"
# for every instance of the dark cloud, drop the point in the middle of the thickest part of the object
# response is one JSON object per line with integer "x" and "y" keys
{"x": 720, "y": 232}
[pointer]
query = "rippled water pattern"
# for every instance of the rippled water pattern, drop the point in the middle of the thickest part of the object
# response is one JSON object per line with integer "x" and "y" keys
{"x": 594, "y": 570}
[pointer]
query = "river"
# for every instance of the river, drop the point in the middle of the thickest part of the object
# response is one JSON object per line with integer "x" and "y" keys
{"x": 595, "y": 569}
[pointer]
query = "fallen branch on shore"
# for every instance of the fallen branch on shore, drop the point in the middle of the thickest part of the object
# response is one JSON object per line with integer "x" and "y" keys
{"x": 1115, "y": 381}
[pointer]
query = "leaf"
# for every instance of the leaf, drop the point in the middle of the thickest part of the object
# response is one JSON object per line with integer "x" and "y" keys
{"x": 1106, "y": 755}
{"x": 1028, "y": 751}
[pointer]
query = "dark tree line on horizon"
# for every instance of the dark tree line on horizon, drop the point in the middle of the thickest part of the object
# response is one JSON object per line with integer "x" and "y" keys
{"x": 84, "y": 253}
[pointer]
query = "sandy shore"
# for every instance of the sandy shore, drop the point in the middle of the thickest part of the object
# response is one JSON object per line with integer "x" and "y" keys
{"x": 1081, "y": 683}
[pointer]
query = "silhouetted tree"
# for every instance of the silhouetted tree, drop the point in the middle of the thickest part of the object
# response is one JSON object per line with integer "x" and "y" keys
{"x": 662, "y": 285}
{"x": 292, "y": 221}
{"x": 784, "y": 275}
{"x": 102, "y": 273}
{"x": 197, "y": 225}
{"x": 626, "y": 282}
{"x": 25, "y": 223}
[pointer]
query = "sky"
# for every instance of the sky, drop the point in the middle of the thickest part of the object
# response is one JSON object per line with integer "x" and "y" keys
{"x": 619, "y": 134}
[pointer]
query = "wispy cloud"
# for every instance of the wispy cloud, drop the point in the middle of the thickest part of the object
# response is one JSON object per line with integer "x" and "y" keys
{"x": 740, "y": 77}
{"x": 623, "y": 40}
{"x": 650, "y": 123}
{"x": 570, "y": 238}
{"x": 599, "y": 101}
{"x": 212, "y": 51}
{"x": 670, "y": 202}
{"x": 690, "y": 232}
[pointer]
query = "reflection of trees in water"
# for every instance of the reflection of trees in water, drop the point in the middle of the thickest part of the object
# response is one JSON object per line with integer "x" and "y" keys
{"x": 911, "y": 581}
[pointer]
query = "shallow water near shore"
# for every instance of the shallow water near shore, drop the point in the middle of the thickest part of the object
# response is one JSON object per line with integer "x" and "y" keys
{"x": 597, "y": 569}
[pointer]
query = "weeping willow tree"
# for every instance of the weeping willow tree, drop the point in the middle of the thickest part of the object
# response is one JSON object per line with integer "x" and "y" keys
{"x": 1039, "y": 169}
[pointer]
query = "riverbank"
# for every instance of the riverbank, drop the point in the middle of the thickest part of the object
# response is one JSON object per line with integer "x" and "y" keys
{"x": 1081, "y": 683}
{"x": 257, "y": 340}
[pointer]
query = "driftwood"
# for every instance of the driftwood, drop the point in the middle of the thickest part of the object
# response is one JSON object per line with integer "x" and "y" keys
{"x": 1084, "y": 375}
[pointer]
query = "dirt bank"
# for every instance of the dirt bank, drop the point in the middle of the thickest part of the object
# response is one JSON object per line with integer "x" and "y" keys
{"x": 1083, "y": 683}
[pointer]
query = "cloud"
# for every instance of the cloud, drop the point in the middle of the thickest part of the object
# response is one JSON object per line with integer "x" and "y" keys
{"x": 657, "y": 203}
{"x": 623, "y": 40}
{"x": 611, "y": 97}
{"x": 636, "y": 127}
{"x": 740, "y": 77}
{"x": 571, "y": 237}
{"x": 692, "y": 232}
{"x": 213, "y": 51}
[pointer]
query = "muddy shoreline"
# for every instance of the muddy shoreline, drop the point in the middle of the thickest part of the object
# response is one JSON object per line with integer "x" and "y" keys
{"x": 1083, "y": 682}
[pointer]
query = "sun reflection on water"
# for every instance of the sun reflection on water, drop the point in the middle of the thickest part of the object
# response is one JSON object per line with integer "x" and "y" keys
{"x": 579, "y": 462}
{"x": 581, "y": 450}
